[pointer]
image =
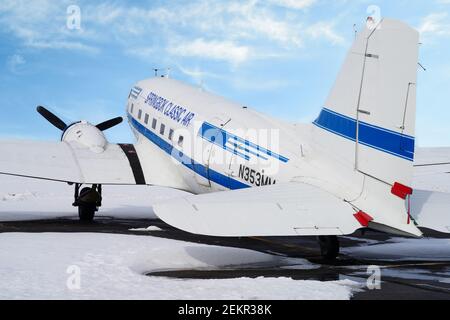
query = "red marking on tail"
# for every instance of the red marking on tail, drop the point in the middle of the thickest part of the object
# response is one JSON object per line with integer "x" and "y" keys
{"x": 363, "y": 218}
{"x": 401, "y": 190}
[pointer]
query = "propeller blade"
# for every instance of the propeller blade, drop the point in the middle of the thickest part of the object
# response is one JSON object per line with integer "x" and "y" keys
{"x": 53, "y": 119}
{"x": 109, "y": 124}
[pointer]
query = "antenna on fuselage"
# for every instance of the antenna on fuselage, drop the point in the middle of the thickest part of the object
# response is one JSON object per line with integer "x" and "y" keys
{"x": 167, "y": 75}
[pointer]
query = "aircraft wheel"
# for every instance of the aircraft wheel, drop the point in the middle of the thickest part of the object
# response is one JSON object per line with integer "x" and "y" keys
{"x": 86, "y": 213}
{"x": 329, "y": 247}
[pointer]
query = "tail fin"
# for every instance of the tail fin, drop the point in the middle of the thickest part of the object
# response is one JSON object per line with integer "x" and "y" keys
{"x": 370, "y": 112}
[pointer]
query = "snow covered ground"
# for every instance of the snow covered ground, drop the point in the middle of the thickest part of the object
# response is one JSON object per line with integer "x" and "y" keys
{"x": 29, "y": 199}
{"x": 42, "y": 266}
{"x": 47, "y": 265}
{"x": 112, "y": 266}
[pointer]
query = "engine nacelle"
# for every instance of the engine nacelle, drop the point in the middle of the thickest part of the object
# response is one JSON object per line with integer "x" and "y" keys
{"x": 87, "y": 135}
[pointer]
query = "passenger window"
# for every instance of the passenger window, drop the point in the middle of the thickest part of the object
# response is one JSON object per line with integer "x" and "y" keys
{"x": 170, "y": 134}
{"x": 140, "y": 114}
{"x": 146, "y": 118}
{"x": 180, "y": 141}
{"x": 132, "y": 108}
{"x": 154, "y": 123}
{"x": 161, "y": 130}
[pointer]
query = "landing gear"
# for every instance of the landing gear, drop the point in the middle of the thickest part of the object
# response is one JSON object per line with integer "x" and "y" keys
{"x": 86, "y": 213}
{"x": 329, "y": 247}
{"x": 88, "y": 201}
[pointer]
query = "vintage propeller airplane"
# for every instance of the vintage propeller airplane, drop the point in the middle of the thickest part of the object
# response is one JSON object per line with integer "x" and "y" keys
{"x": 252, "y": 175}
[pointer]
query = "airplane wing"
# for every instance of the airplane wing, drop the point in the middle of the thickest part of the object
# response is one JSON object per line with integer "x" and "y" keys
{"x": 71, "y": 162}
{"x": 432, "y": 169}
{"x": 293, "y": 209}
{"x": 431, "y": 209}
{"x": 430, "y": 201}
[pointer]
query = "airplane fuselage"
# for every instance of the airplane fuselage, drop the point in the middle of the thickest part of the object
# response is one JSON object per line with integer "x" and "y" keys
{"x": 211, "y": 143}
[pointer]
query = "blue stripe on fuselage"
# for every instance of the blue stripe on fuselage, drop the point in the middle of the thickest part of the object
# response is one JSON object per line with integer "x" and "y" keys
{"x": 394, "y": 143}
{"x": 220, "y": 137}
{"x": 189, "y": 163}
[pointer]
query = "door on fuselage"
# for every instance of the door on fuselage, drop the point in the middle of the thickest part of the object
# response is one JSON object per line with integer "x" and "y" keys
{"x": 212, "y": 155}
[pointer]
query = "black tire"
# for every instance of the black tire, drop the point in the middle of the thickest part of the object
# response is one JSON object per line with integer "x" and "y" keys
{"x": 329, "y": 247}
{"x": 86, "y": 213}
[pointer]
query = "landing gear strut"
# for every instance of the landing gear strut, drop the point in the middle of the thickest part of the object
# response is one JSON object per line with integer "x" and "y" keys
{"x": 329, "y": 247}
{"x": 88, "y": 201}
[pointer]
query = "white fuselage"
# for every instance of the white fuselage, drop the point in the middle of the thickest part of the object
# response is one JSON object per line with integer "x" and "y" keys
{"x": 210, "y": 143}
{"x": 204, "y": 143}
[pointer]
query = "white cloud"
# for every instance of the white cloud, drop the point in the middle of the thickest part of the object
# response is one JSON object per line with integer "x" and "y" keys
{"x": 294, "y": 4}
{"x": 261, "y": 23}
{"x": 144, "y": 53}
{"x": 69, "y": 45}
{"x": 197, "y": 73}
{"x": 231, "y": 31}
{"x": 216, "y": 50}
{"x": 104, "y": 13}
{"x": 435, "y": 24}
{"x": 252, "y": 84}
{"x": 15, "y": 62}
{"x": 199, "y": 76}
{"x": 237, "y": 31}
{"x": 41, "y": 24}
{"x": 325, "y": 30}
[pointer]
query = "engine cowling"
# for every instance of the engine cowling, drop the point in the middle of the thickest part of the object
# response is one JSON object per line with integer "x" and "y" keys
{"x": 86, "y": 135}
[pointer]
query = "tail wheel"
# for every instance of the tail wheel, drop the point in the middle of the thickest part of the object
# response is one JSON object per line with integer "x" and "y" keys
{"x": 329, "y": 247}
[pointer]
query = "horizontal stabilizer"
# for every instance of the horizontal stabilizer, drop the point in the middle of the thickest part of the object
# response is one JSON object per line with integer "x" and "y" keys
{"x": 291, "y": 209}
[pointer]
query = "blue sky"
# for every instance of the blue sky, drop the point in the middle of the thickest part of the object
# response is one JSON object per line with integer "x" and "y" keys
{"x": 279, "y": 56}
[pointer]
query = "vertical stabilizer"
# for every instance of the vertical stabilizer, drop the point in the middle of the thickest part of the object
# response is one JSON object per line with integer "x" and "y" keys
{"x": 368, "y": 121}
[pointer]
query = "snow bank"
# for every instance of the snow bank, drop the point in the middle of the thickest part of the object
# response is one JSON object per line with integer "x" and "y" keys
{"x": 34, "y": 266}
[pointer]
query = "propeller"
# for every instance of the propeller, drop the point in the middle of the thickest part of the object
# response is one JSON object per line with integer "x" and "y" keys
{"x": 53, "y": 119}
{"x": 109, "y": 123}
{"x": 61, "y": 125}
